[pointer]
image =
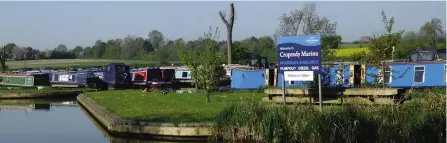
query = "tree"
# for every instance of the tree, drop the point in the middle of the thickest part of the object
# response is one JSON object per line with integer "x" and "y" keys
{"x": 18, "y": 53}
{"x": 307, "y": 22}
{"x": 380, "y": 46}
{"x": 30, "y": 53}
{"x": 240, "y": 54}
{"x": 5, "y": 53}
{"x": 131, "y": 46}
{"x": 156, "y": 38}
{"x": 409, "y": 42}
{"x": 147, "y": 46}
{"x": 210, "y": 71}
{"x": 112, "y": 50}
{"x": 267, "y": 48}
{"x": 229, "y": 23}
{"x": 86, "y": 53}
{"x": 98, "y": 49}
{"x": 162, "y": 54}
{"x": 61, "y": 48}
{"x": 77, "y": 50}
{"x": 432, "y": 31}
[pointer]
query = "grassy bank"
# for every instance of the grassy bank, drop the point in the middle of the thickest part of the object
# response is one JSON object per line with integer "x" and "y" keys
{"x": 174, "y": 107}
{"x": 421, "y": 120}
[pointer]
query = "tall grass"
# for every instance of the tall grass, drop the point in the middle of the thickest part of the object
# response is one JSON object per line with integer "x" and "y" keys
{"x": 420, "y": 121}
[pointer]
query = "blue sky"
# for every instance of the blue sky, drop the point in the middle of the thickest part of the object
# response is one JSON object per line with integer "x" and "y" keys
{"x": 44, "y": 25}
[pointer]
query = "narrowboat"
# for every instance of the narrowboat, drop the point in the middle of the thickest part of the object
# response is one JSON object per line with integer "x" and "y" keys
{"x": 27, "y": 107}
{"x": 116, "y": 75}
{"x": 24, "y": 80}
{"x": 153, "y": 76}
{"x": 424, "y": 68}
{"x": 74, "y": 79}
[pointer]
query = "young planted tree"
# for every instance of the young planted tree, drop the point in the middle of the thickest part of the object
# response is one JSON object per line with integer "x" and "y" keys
{"x": 380, "y": 46}
{"x": 229, "y": 22}
{"x": 203, "y": 61}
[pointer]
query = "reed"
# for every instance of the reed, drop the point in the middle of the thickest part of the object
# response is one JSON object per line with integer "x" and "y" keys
{"x": 422, "y": 120}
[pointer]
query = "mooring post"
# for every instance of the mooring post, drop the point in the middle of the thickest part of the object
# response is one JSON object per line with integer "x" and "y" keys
{"x": 319, "y": 92}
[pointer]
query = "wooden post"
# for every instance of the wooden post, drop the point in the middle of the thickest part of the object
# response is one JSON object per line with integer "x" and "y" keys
{"x": 383, "y": 75}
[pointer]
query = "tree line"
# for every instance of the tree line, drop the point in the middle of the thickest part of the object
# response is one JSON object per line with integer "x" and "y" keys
{"x": 156, "y": 47}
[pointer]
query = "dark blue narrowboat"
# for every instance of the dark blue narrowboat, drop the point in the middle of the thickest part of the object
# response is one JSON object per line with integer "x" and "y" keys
{"x": 73, "y": 79}
{"x": 116, "y": 75}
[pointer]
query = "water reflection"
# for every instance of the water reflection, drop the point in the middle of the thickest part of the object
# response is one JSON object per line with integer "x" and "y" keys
{"x": 52, "y": 121}
{"x": 46, "y": 121}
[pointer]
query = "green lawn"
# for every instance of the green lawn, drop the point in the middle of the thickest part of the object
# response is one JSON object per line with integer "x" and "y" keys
{"x": 64, "y": 63}
{"x": 174, "y": 107}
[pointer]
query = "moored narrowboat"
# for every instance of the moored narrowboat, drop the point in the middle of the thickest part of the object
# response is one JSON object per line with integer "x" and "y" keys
{"x": 153, "y": 76}
{"x": 74, "y": 79}
{"x": 117, "y": 75}
{"x": 24, "y": 80}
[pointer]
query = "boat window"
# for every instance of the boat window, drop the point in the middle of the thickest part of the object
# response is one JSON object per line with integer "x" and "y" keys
{"x": 185, "y": 74}
{"x": 339, "y": 77}
{"x": 1, "y": 79}
{"x": 419, "y": 73}
{"x": 414, "y": 57}
{"x": 121, "y": 69}
{"x": 253, "y": 62}
{"x": 441, "y": 56}
{"x": 425, "y": 56}
{"x": 388, "y": 75}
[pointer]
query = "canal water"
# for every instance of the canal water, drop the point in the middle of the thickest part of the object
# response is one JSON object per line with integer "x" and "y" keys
{"x": 51, "y": 121}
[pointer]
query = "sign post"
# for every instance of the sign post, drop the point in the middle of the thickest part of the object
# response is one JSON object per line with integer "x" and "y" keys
{"x": 299, "y": 57}
{"x": 319, "y": 93}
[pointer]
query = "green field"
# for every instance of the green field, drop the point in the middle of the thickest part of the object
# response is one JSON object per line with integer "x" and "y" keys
{"x": 64, "y": 63}
{"x": 345, "y": 52}
{"x": 85, "y": 63}
{"x": 174, "y": 107}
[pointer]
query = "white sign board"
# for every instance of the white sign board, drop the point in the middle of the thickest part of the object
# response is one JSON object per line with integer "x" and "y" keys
{"x": 298, "y": 76}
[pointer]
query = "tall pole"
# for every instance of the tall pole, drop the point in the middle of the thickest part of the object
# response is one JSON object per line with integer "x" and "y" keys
{"x": 319, "y": 92}
{"x": 283, "y": 89}
{"x": 392, "y": 55}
